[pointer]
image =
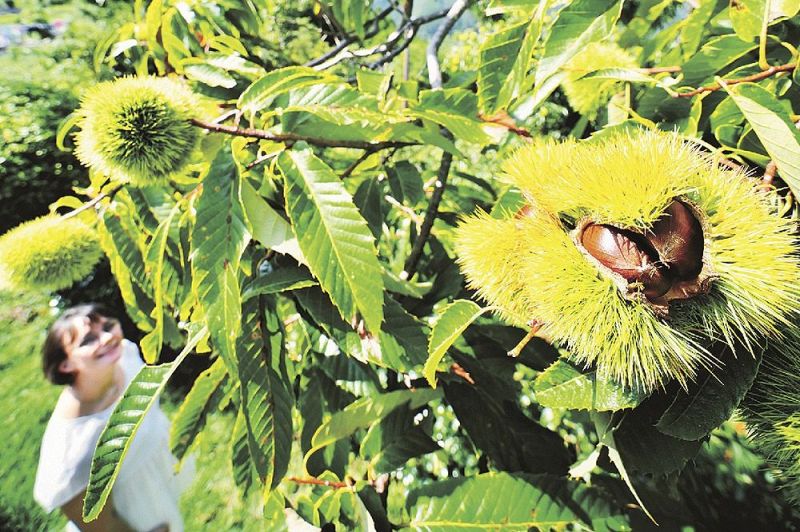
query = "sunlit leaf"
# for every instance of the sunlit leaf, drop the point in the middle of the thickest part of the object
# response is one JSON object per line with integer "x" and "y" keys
{"x": 115, "y": 440}
{"x": 501, "y": 501}
{"x": 448, "y": 327}
{"x": 563, "y": 385}
{"x": 775, "y": 130}
{"x": 203, "y": 399}
{"x": 218, "y": 240}
{"x": 333, "y": 236}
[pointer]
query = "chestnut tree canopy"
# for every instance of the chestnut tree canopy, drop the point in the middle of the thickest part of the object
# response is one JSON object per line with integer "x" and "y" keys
{"x": 278, "y": 189}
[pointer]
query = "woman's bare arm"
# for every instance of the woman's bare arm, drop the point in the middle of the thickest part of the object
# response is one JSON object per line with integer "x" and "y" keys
{"x": 108, "y": 520}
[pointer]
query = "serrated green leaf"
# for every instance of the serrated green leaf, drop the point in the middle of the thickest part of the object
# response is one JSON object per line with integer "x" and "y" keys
{"x": 403, "y": 287}
{"x": 392, "y": 442}
{"x": 499, "y": 58}
{"x": 241, "y": 462}
{"x": 265, "y": 402}
{"x": 264, "y": 90}
{"x": 267, "y": 226}
{"x": 578, "y": 24}
{"x": 746, "y": 17}
{"x": 203, "y": 399}
{"x": 369, "y": 200}
{"x": 405, "y": 182}
{"x": 124, "y": 422}
{"x": 366, "y": 411}
{"x": 712, "y": 397}
{"x": 517, "y": 443}
{"x": 123, "y": 238}
{"x": 562, "y": 385}
{"x": 154, "y": 254}
{"x": 400, "y": 345}
{"x": 508, "y": 203}
{"x": 207, "y": 74}
{"x": 136, "y": 302}
{"x": 282, "y": 279}
{"x": 218, "y": 241}
{"x": 499, "y": 7}
{"x": 502, "y": 501}
{"x": 333, "y": 236}
{"x": 773, "y": 127}
{"x": 455, "y": 109}
{"x": 642, "y": 447}
{"x": 227, "y": 43}
{"x": 714, "y": 55}
{"x": 621, "y": 74}
{"x": 456, "y": 317}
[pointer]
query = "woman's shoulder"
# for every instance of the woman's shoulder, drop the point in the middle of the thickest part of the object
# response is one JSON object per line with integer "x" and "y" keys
{"x": 130, "y": 361}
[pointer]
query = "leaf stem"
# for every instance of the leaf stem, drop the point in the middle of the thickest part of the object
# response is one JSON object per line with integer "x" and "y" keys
{"x": 91, "y": 203}
{"x": 318, "y": 482}
{"x": 292, "y": 137}
{"x": 771, "y": 71}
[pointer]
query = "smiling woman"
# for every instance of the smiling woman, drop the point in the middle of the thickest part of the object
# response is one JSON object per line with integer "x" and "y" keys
{"x": 85, "y": 350}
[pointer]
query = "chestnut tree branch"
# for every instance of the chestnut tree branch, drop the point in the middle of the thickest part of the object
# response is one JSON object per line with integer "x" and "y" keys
{"x": 435, "y": 78}
{"x": 347, "y": 41}
{"x": 771, "y": 71}
{"x": 292, "y": 137}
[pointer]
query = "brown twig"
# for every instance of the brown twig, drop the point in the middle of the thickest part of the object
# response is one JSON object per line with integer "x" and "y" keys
{"x": 260, "y": 160}
{"x": 771, "y": 71}
{"x": 350, "y": 169}
{"x": 435, "y": 78}
{"x": 347, "y": 41}
{"x": 292, "y": 137}
{"x": 318, "y": 482}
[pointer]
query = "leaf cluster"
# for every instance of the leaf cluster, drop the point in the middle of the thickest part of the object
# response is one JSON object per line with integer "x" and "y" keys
{"x": 365, "y": 386}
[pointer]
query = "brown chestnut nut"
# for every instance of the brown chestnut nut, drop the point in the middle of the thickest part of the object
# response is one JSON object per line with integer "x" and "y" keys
{"x": 629, "y": 255}
{"x": 677, "y": 236}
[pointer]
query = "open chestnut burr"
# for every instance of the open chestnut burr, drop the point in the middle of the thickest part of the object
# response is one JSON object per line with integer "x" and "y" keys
{"x": 662, "y": 264}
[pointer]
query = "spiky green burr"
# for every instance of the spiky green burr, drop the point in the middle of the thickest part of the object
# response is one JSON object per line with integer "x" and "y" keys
{"x": 532, "y": 267}
{"x": 137, "y": 130}
{"x": 48, "y": 253}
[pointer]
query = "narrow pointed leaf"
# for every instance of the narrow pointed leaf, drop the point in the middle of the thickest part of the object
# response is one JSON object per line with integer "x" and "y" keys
{"x": 580, "y": 23}
{"x": 282, "y": 279}
{"x": 115, "y": 440}
{"x": 267, "y": 226}
{"x": 241, "y": 462}
{"x": 203, "y": 399}
{"x": 333, "y": 236}
{"x": 505, "y": 58}
{"x": 218, "y": 240}
{"x": 261, "y": 93}
{"x": 453, "y": 320}
{"x": 455, "y": 109}
{"x": 501, "y": 501}
{"x": 712, "y": 397}
{"x": 770, "y": 121}
{"x": 563, "y": 385}
{"x": 154, "y": 254}
{"x": 266, "y": 403}
{"x": 364, "y": 412}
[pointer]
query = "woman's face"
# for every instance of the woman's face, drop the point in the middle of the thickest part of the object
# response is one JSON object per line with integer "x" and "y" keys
{"x": 93, "y": 348}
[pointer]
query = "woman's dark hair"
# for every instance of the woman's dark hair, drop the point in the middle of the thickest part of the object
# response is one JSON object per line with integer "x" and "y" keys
{"x": 53, "y": 351}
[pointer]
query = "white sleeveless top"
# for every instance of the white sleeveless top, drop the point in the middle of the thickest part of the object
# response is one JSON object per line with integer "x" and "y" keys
{"x": 147, "y": 489}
